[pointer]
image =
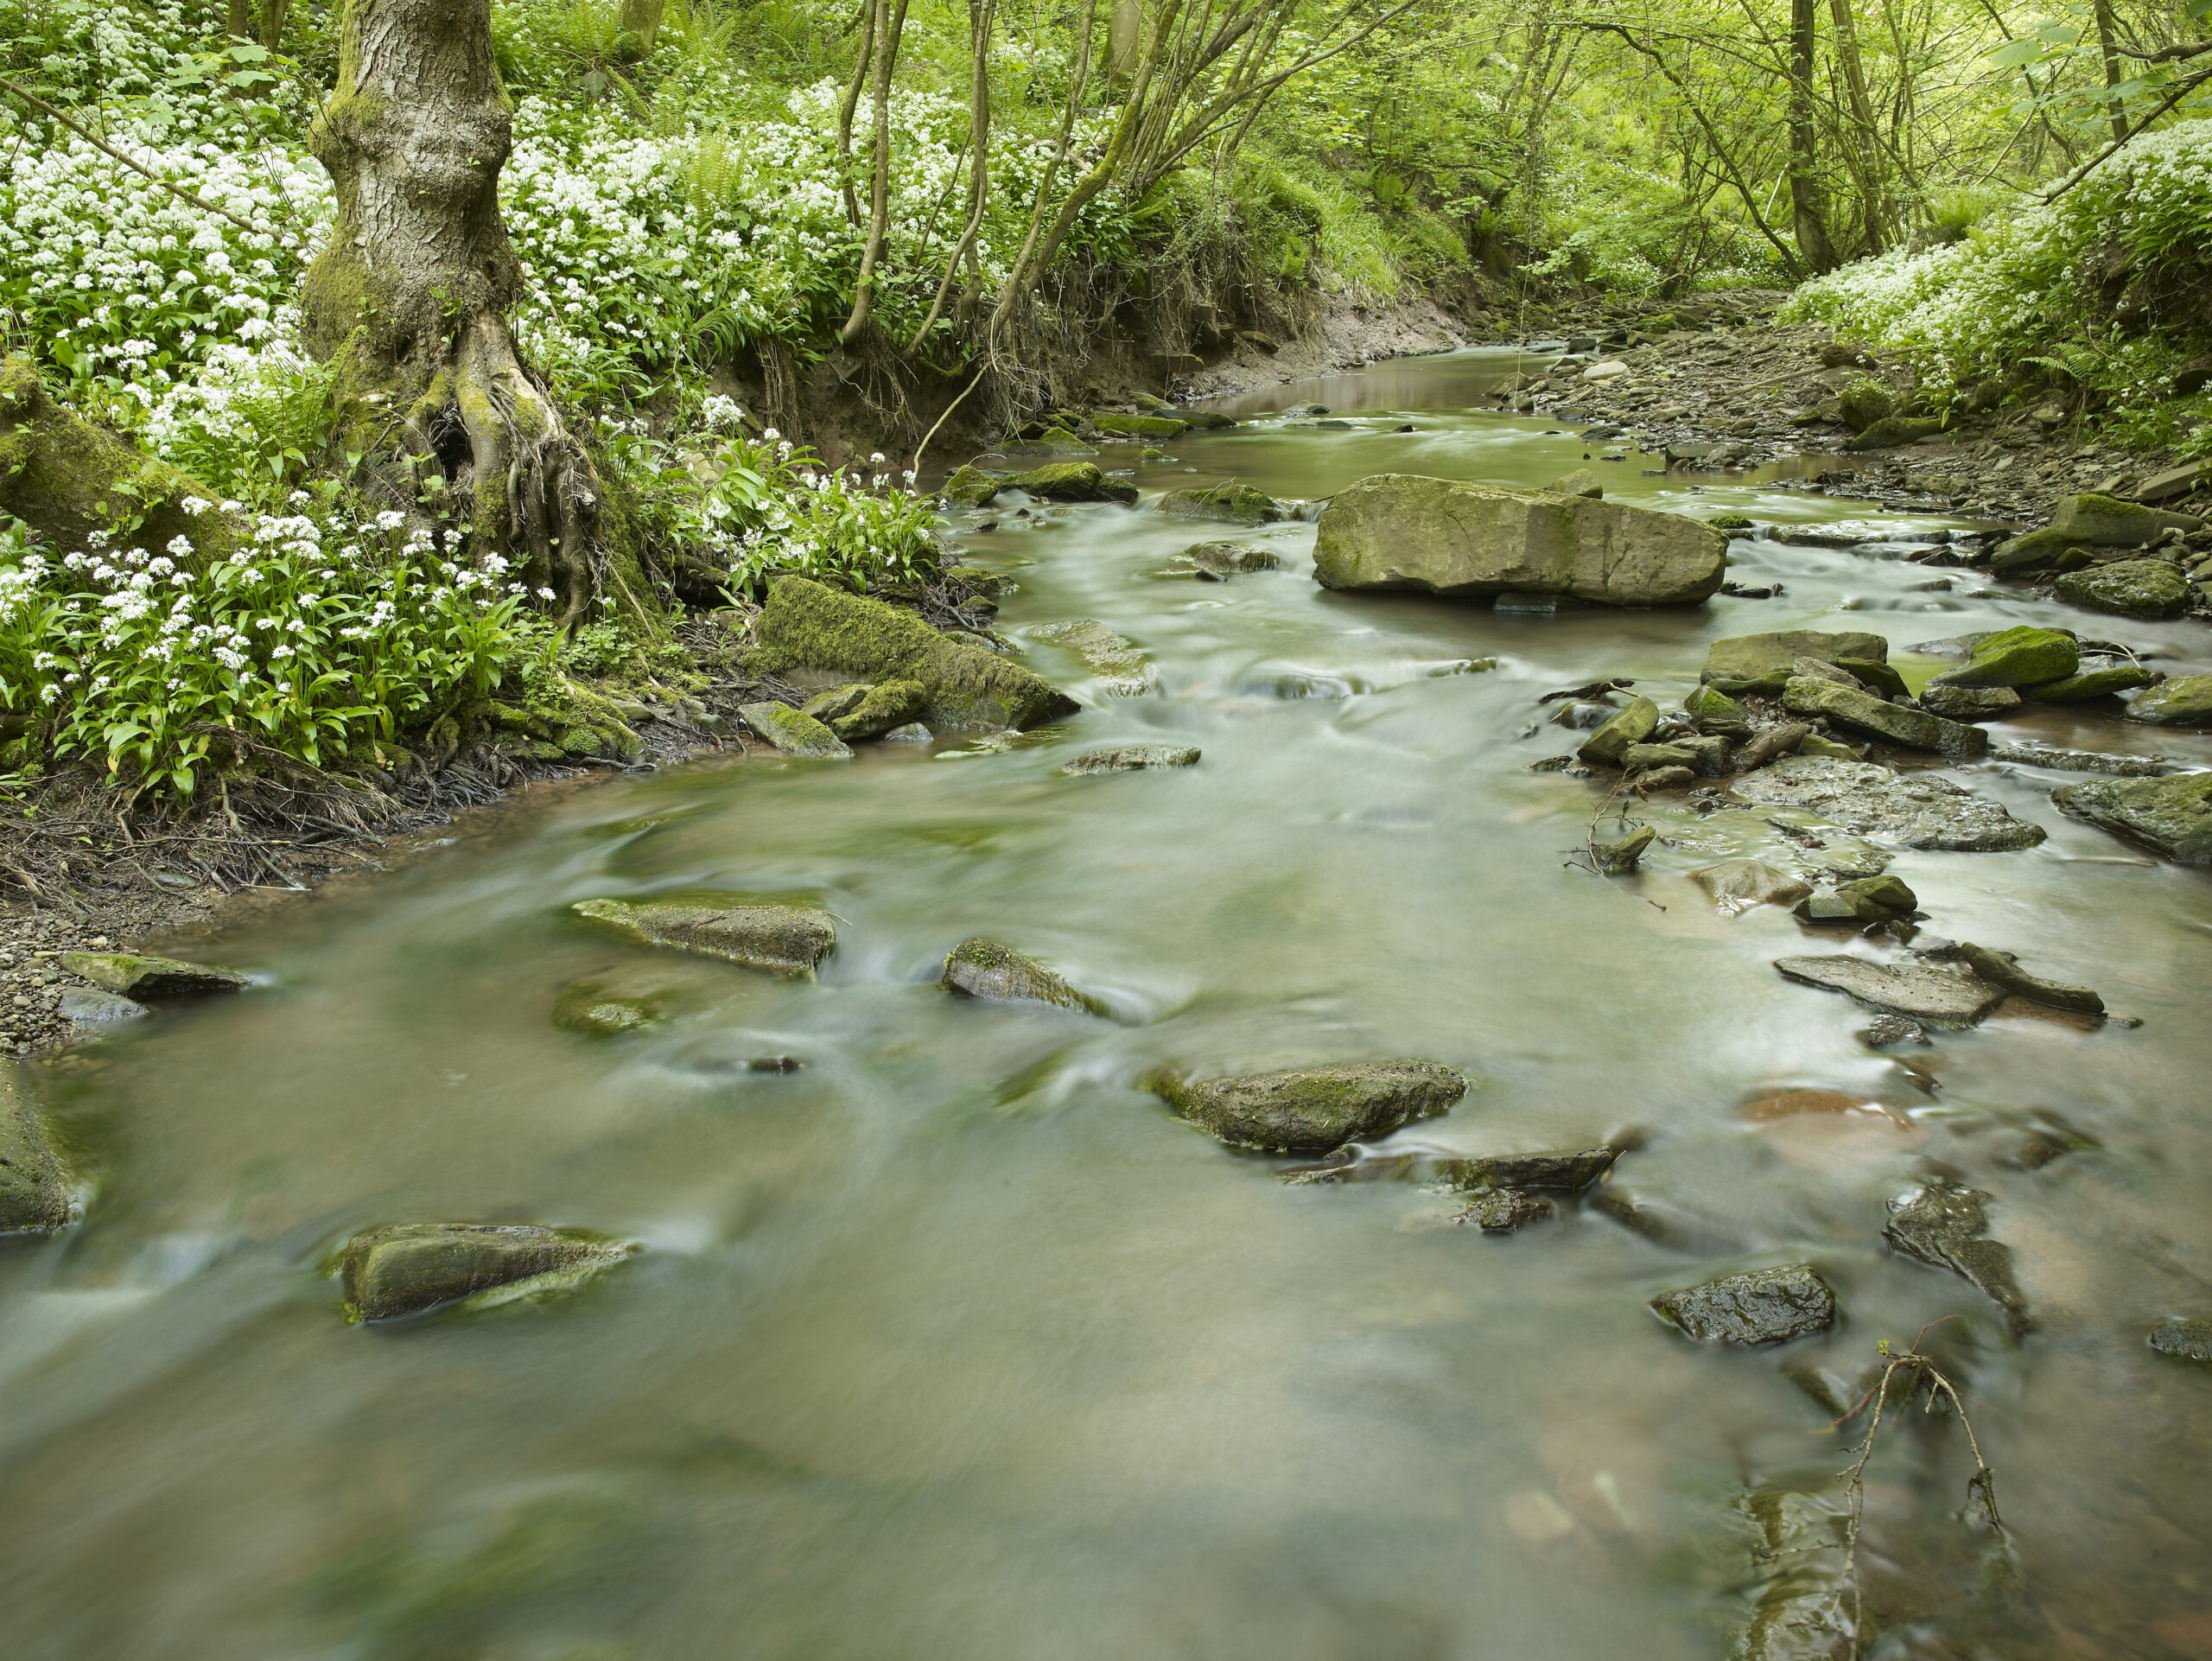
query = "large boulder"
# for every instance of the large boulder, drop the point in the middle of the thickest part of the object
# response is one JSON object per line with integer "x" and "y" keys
{"x": 1475, "y": 542}
{"x": 2148, "y": 589}
{"x": 404, "y": 1270}
{"x": 1879, "y": 718}
{"x": 782, "y": 938}
{"x": 2016, "y": 657}
{"x": 1312, "y": 1109}
{"x": 2185, "y": 701}
{"x": 809, "y": 626}
{"x": 34, "y": 1195}
{"x": 2171, "y": 816}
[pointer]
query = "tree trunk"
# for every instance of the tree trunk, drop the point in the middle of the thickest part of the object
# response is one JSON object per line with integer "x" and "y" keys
{"x": 1124, "y": 40}
{"x": 2114, "y": 74}
{"x": 414, "y": 288}
{"x": 640, "y": 23}
{"x": 1804, "y": 183}
{"x": 240, "y": 24}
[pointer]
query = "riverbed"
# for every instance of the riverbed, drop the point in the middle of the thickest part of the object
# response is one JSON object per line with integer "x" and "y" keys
{"x": 953, "y": 1343}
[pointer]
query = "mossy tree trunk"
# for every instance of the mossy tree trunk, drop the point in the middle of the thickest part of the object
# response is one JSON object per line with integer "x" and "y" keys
{"x": 415, "y": 287}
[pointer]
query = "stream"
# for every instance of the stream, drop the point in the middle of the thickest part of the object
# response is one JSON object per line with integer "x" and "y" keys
{"x": 954, "y": 1345}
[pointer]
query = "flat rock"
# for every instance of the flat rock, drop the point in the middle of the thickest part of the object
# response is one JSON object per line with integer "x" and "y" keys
{"x": 785, "y": 939}
{"x": 1914, "y": 990}
{"x": 1125, "y": 671}
{"x": 2185, "y": 701}
{"x": 89, "y": 1011}
{"x": 2148, "y": 589}
{"x": 2064, "y": 761}
{"x": 1129, "y": 758}
{"x": 2089, "y": 683}
{"x": 984, "y": 969}
{"x": 136, "y": 975}
{"x": 1969, "y": 703}
{"x": 1737, "y": 885}
{"x": 1230, "y": 558}
{"x": 1765, "y": 1305}
{"x": 412, "y": 1267}
{"x": 2184, "y": 1340}
{"x": 1569, "y": 1172}
{"x": 1312, "y": 1109}
{"x": 34, "y": 1193}
{"x": 793, "y": 731}
{"x": 1918, "y": 810}
{"x": 1074, "y": 482}
{"x": 1945, "y": 1226}
{"x": 1768, "y": 656}
{"x": 809, "y": 626}
{"x": 1877, "y": 717}
{"x": 1397, "y": 530}
{"x": 2172, "y": 817}
{"x": 595, "y": 1008}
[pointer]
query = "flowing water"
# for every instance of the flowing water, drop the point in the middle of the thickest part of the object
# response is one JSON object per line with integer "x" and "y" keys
{"x": 954, "y": 1344}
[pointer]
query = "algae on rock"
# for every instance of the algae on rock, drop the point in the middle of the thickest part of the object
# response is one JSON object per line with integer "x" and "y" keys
{"x": 984, "y": 969}
{"x": 778, "y": 937}
{"x": 408, "y": 1268}
{"x": 1312, "y": 1109}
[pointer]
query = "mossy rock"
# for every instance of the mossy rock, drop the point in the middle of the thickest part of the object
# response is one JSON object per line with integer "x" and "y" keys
{"x": 1312, "y": 1109}
{"x": 1230, "y": 558}
{"x": 1891, "y": 431}
{"x": 778, "y": 937}
{"x": 1713, "y": 711}
{"x": 1210, "y": 420}
{"x": 1730, "y": 522}
{"x": 65, "y": 478}
{"x": 1139, "y": 426}
{"x": 410, "y": 1268}
{"x": 1229, "y": 504}
{"x": 807, "y": 624}
{"x": 793, "y": 731}
{"x": 2171, "y": 816}
{"x": 1074, "y": 482}
{"x": 2146, "y": 588}
{"x": 34, "y": 1193}
{"x": 859, "y": 710}
{"x": 1132, "y": 758}
{"x": 1117, "y": 662}
{"x": 2094, "y": 683}
{"x": 1606, "y": 746}
{"x": 1765, "y": 657}
{"x": 1877, "y": 717}
{"x": 970, "y": 487}
{"x": 136, "y": 975}
{"x": 984, "y": 969}
{"x": 2185, "y": 701}
{"x": 1582, "y": 482}
{"x": 2016, "y": 657}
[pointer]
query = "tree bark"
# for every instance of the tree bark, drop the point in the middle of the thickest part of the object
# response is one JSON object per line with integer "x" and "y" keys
{"x": 414, "y": 288}
{"x": 1124, "y": 40}
{"x": 2114, "y": 74}
{"x": 641, "y": 24}
{"x": 1804, "y": 182}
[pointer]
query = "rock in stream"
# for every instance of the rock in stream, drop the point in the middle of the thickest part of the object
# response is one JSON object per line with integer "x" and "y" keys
{"x": 34, "y": 1193}
{"x": 1765, "y": 1305}
{"x": 1945, "y": 1226}
{"x": 785, "y": 939}
{"x": 1919, "y": 809}
{"x": 137, "y": 977}
{"x": 1312, "y": 1109}
{"x": 411, "y": 1267}
{"x": 1915, "y": 990}
{"x": 984, "y": 969}
{"x": 2172, "y": 816}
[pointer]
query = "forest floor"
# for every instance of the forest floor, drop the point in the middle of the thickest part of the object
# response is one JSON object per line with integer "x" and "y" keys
{"x": 1724, "y": 397}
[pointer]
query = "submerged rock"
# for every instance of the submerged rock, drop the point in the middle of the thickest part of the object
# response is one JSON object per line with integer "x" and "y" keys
{"x": 1797, "y": 1612}
{"x": 1914, "y": 990}
{"x": 1502, "y": 1211}
{"x": 1737, "y": 885}
{"x": 1230, "y": 503}
{"x": 34, "y": 1193}
{"x": 1117, "y": 662}
{"x": 1765, "y": 1305}
{"x": 984, "y": 969}
{"x": 1766, "y": 659}
{"x": 1312, "y": 1109}
{"x": 793, "y": 731}
{"x": 1567, "y": 1172}
{"x": 1229, "y": 558}
{"x": 2172, "y": 817}
{"x": 1074, "y": 482}
{"x": 2148, "y": 589}
{"x": 785, "y": 939}
{"x": 2050, "y": 755}
{"x": 592, "y": 1008}
{"x": 1864, "y": 712}
{"x": 2185, "y": 701}
{"x": 2002, "y": 969}
{"x": 1128, "y": 758}
{"x": 412, "y": 1267}
{"x": 1471, "y": 541}
{"x": 1867, "y": 798}
{"x": 1946, "y": 1224}
{"x": 136, "y": 975}
{"x": 2184, "y": 1340}
{"x": 89, "y": 1012}
{"x": 809, "y": 626}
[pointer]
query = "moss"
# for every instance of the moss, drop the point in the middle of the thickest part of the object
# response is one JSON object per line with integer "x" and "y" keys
{"x": 806, "y": 625}
{"x": 1229, "y": 504}
{"x": 984, "y": 969}
{"x": 1141, "y": 426}
{"x": 65, "y": 478}
{"x": 1074, "y": 482}
{"x": 773, "y": 935}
